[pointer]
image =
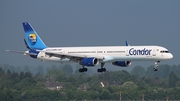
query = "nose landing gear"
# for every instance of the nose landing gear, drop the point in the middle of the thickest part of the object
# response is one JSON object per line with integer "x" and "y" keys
{"x": 156, "y": 65}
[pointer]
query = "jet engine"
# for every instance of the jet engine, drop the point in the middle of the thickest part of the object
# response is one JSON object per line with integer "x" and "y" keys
{"x": 89, "y": 61}
{"x": 122, "y": 63}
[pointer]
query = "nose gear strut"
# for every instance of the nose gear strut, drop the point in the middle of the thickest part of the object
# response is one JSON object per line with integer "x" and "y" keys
{"x": 156, "y": 65}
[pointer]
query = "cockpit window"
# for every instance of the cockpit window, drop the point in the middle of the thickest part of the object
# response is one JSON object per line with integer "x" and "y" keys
{"x": 164, "y": 51}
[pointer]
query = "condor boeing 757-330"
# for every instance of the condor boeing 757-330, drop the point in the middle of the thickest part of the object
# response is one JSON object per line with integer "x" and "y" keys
{"x": 91, "y": 56}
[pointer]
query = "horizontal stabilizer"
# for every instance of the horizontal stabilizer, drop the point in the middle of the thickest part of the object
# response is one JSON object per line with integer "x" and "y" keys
{"x": 21, "y": 52}
{"x": 14, "y": 51}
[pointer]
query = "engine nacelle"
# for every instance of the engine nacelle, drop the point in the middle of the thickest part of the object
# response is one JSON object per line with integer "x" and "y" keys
{"x": 89, "y": 62}
{"x": 122, "y": 63}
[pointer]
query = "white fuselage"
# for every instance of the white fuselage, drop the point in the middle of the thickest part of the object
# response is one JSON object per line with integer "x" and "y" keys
{"x": 91, "y": 56}
{"x": 110, "y": 53}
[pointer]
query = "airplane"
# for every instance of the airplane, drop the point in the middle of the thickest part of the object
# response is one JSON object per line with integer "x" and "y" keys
{"x": 91, "y": 56}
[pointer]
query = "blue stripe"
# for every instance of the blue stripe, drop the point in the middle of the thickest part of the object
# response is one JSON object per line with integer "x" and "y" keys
{"x": 34, "y": 52}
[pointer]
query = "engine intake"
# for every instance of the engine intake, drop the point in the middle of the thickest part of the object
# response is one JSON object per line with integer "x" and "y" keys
{"x": 122, "y": 63}
{"x": 89, "y": 61}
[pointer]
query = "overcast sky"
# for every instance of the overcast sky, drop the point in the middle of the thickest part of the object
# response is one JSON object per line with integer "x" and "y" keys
{"x": 90, "y": 23}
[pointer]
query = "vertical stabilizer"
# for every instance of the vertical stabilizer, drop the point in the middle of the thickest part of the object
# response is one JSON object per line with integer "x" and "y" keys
{"x": 32, "y": 38}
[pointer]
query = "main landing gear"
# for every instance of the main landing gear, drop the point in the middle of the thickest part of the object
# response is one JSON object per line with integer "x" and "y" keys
{"x": 101, "y": 69}
{"x": 156, "y": 65}
{"x": 83, "y": 69}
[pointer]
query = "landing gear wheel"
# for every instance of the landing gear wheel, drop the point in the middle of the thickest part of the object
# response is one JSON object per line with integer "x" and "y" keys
{"x": 155, "y": 69}
{"x": 103, "y": 69}
{"x": 99, "y": 70}
{"x": 83, "y": 69}
{"x": 80, "y": 70}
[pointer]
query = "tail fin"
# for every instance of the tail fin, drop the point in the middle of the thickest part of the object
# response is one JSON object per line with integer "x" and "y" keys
{"x": 32, "y": 39}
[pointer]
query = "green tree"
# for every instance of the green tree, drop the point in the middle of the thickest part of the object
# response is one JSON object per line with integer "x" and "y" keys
{"x": 26, "y": 69}
{"x": 164, "y": 71}
{"x": 8, "y": 72}
{"x": 138, "y": 70}
{"x": 93, "y": 95}
{"x": 40, "y": 69}
{"x": 105, "y": 94}
{"x": 129, "y": 85}
{"x": 67, "y": 68}
{"x": 56, "y": 75}
{"x": 149, "y": 71}
{"x": 1, "y": 70}
{"x": 173, "y": 79}
{"x": 176, "y": 69}
{"x": 178, "y": 84}
{"x": 18, "y": 70}
{"x": 70, "y": 94}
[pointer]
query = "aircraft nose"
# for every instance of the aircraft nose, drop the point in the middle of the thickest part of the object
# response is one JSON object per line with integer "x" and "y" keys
{"x": 170, "y": 56}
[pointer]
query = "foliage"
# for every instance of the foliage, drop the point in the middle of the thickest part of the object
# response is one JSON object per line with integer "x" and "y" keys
{"x": 173, "y": 79}
{"x": 23, "y": 85}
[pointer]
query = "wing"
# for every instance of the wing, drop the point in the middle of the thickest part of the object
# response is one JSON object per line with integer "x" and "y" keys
{"x": 72, "y": 57}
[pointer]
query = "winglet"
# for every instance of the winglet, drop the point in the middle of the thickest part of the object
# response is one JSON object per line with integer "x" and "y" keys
{"x": 127, "y": 44}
